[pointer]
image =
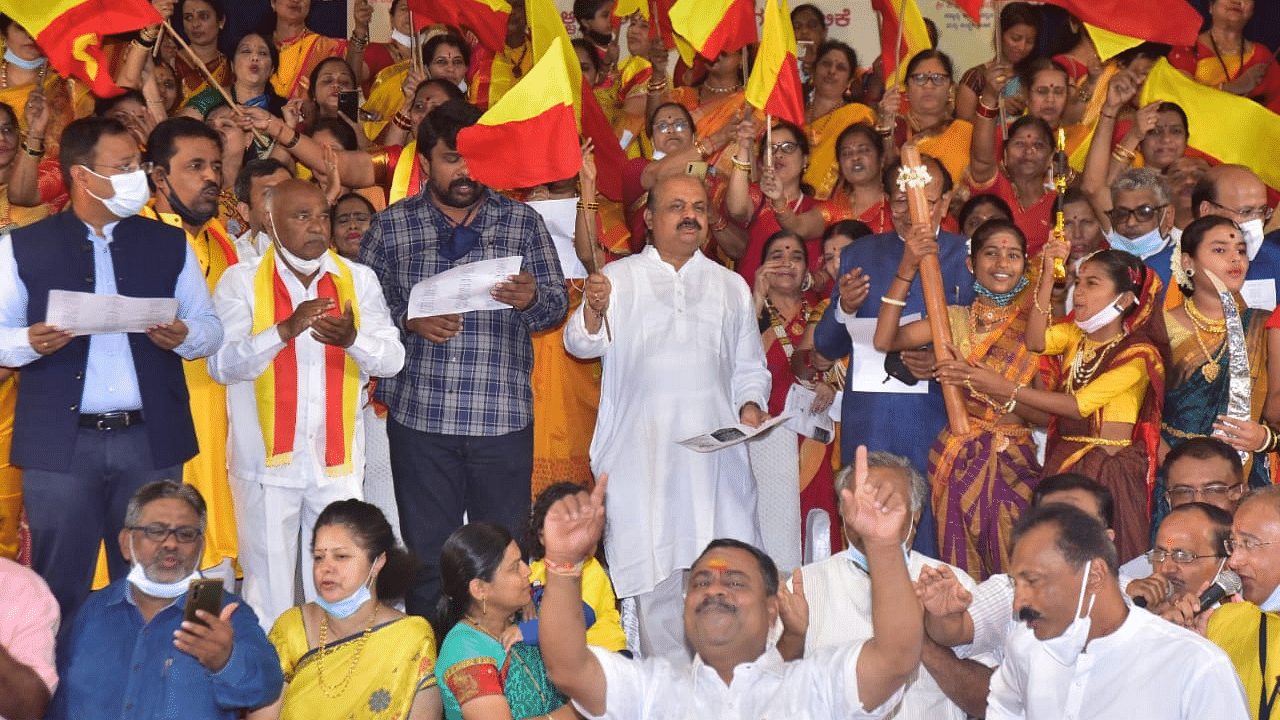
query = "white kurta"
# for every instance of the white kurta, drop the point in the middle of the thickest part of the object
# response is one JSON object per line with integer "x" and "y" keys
{"x": 1148, "y": 668}
{"x": 839, "y": 595}
{"x": 685, "y": 356}
{"x": 823, "y": 686}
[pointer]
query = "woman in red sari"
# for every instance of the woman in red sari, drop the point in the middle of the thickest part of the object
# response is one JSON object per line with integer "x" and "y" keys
{"x": 860, "y": 194}
{"x": 1224, "y": 59}
{"x": 785, "y": 311}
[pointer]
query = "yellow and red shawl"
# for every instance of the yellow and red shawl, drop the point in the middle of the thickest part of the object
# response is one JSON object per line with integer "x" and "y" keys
{"x": 276, "y": 389}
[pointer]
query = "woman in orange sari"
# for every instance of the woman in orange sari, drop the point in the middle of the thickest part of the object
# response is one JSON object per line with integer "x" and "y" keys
{"x": 927, "y": 118}
{"x": 716, "y": 103}
{"x": 301, "y": 49}
{"x": 860, "y": 194}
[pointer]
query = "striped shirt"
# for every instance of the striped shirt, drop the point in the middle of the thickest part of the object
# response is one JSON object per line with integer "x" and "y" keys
{"x": 477, "y": 382}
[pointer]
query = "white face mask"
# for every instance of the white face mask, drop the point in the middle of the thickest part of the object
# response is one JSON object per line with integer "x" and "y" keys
{"x": 859, "y": 558}
{"x": 401, "y": 38}
{"x": 130, "y": 193}
{"x": 1066, "y": 647}
{"x": 1252, "y": 230}
{"x": 295, "y": 263}
{"x": 1101, "y": 318}
{"x": 1144, "y": 246}
{"x": 138, "y": 578}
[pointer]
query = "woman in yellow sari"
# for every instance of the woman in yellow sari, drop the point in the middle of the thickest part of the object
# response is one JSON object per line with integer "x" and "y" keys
{"x": 301, "y": 49}
{"x": 350, "y": 654}
{"x": 829, "y": 112}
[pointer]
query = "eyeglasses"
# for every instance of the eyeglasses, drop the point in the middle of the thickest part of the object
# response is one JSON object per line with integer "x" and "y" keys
{"x": 786, "y": 148}
{"x": 1264, "y": 212}
{"x": 1182, "y": 557}
{"x": 930, "y": 78}
{"x": 1181, "y": 494}
{"x": 185, "y": 534}
{"x": 1233, "y": 545}
{"x": 678, "y": 126}
{"x": 124, "y": 169}
{"x": 1142, "y": 213}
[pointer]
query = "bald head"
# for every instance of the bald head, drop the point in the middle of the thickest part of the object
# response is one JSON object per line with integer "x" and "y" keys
{"x": 1232, "y": 191}
{"x": 299, "y": 215}
{"x": 677, "y": 217}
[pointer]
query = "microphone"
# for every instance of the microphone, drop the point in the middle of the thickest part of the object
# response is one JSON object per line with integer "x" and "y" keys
{"x": 1224, "y": 584}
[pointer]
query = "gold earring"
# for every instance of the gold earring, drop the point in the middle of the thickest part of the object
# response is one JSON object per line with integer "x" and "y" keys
{"x": 484, "y": 606}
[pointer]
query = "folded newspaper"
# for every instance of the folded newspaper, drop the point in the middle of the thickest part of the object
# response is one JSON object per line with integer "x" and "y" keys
{"x": 724, "y": 437}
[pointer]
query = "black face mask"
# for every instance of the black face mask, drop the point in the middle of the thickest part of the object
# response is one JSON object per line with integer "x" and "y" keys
{"x": 461, "y": 238}
{"x": 598, "y": 39}
{"x": 189, "y": 216}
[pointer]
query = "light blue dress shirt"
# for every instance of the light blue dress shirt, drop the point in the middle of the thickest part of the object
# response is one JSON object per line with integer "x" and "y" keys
{"x": 111, "y": 384}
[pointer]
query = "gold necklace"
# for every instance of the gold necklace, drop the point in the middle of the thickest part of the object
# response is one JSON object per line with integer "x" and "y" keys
{"x": 990, "y": 315}
{"x": 721, "y": 90}
{"x": 335, "y": 691}
{"x": 482, "y": 628}
{"x": 1203, "y": 324}
{"x": 1088, "y": 359}
{"x": 4, "y": 74}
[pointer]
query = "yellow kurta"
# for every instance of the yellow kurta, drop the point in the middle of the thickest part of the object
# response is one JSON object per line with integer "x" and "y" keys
{"x": 10, "y": 475}
{"x": 1234, "y": 628}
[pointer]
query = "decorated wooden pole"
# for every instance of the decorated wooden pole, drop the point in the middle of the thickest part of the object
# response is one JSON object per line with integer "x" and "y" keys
{"x": 913, "y": 178}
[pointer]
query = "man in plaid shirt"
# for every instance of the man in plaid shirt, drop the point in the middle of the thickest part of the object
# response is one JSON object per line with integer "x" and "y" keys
{"x": 461, "y": 411}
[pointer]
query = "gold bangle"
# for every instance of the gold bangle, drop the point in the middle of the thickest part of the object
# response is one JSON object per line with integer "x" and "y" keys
{"x": 739, "y": 164}
{"x": 702, "y": 149}
{"x": 890, "y": 301}
{"x": 292, "y": 143}
{"x": 33, "y": 153}
{"x": 588, "y": 206}
{"x": 1123, "y": 153}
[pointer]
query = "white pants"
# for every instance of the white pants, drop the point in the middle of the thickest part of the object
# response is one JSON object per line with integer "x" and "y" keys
{"x": 268, "y": 521}
{"x": 660, "y": 613}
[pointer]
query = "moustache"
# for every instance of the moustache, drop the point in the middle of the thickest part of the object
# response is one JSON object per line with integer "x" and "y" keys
{"x": 716, "y": 601}
{"x": 689, "y": 223}
{"x": 1026, "y": 614}
{"x": 462, "y": 184}
{"x": 210, "y": 188}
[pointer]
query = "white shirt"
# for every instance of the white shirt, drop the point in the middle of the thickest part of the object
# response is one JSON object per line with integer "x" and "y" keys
{"x": 993, "y": 618}
{"x": 839, "y": 595}
{"x": 685, "y": 357}
{"x": 248, "y": 247}
{"x": 824, "y": 685}
{"x": 243, "y": 357}
{"x": 1147, "y": 668}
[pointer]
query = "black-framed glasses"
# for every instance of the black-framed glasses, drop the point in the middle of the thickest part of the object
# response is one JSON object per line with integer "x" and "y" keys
{"x": 1181, "y": 494}
{"x": 156, "y": 532}
{"x": 786, "y": 148}
{"x": 1262, "y": 213}
{"x": 1182, "y": 557}
{"x": 1142, "y": 213}
{"x": 1232, "y": 545}
{"x": 929, "y": 78}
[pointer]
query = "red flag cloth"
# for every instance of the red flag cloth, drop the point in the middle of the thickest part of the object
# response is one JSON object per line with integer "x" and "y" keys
{"x": 972, "y": 8}
{"x": 714, "y": 26}
{"x": 486, "y": 18}
{"x": 70, "y": 34}
{"x": 608, "y": 153}
{"x": 774, "y": 86}
{"x": 1173, "y": 22}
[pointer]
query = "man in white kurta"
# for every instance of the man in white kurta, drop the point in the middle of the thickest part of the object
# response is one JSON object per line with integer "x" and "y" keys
{"x": 1082, "y": 652}
{"x": 275, "y": 501}
{"x": 838, "y": 590}
{"x": 681, "y": 356}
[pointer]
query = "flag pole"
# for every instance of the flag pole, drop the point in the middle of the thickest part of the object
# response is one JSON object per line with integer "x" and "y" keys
{"x": 745, "y": 69}
{"x": 415, "y": 49}
{"x": 897, "y": 48}
{"x": 999, "y": 42}
{"x": 208, "y": 76}
{"x": 768, "y": 141}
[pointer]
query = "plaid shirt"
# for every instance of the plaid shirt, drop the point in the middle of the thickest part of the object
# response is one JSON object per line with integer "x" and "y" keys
{"x": 477, "y": 382}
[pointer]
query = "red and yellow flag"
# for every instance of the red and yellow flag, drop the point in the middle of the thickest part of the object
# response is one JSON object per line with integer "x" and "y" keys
{"x": 486, "y": 18}
{"x": 972, "y": 8}
{"x": 710, "y": 27}
{"x": 895, "y": 14}
{"x": 540, "y": 106}
{"x": 1173, "y": 22}
{"x": 70, "y": 33}
{"x": 1226, "y": 127}
{"x": 774, "y": 86}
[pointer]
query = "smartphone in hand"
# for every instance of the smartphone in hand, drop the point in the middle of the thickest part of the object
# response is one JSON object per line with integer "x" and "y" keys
{"x": 204, "y": 594}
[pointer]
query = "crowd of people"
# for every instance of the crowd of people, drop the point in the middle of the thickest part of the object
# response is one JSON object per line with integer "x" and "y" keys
{"x": 289, "y": 492}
